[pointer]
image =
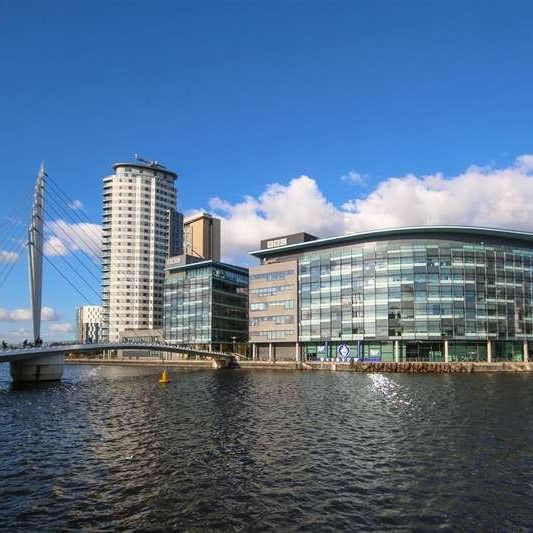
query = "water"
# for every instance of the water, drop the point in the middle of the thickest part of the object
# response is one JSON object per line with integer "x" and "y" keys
{"x": 111, "y": 449}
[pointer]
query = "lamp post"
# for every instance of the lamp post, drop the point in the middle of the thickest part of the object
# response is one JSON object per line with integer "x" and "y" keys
{"x": 234, "y": 339}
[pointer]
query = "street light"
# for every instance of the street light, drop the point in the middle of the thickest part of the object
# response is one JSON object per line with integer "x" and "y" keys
{"x": 234, "y": 338}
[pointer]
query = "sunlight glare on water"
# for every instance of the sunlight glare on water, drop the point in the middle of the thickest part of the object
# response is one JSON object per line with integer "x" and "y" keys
{"x": 389, "y": 389}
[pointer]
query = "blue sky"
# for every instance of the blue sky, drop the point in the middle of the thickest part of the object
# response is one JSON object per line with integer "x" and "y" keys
{"x": 237, "y": 96}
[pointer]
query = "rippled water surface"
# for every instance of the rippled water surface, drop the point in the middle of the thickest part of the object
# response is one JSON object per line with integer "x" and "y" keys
{"x": 110, "y": 448}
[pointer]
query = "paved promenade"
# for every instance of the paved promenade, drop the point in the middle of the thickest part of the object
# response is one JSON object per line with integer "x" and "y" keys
{"x": 385, "y": 367}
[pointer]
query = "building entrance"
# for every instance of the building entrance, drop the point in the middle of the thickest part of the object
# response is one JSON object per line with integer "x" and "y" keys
{"x": 424, "y": 351}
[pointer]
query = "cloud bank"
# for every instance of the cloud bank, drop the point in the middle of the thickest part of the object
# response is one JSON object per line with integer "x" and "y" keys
{"x": 61, "y": 327}
{"x": 64, "y": 238}
{"x": 480, "y": 196}
{"x": 14, "y": 315}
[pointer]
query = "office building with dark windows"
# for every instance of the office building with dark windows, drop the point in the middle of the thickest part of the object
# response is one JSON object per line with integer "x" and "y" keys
{"x": 206, "y": 304}
{"x": 443, "y": 293}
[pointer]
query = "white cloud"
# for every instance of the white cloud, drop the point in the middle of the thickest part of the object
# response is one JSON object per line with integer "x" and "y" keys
{"x": 55, "y": 246}
{"x": 480, "y": 196}
{"x": 61, "y": 327}
{"x": 12, "y": 315}
{"x": 354, "y": 178}
{"x": 525, "y": 162}
{"x": 8, "y": 257}
{"x": 48, "y": 314}
{"x": 17, "y": 314}
{"x": 281, "y": 209}
{"x": 75, "y": 205}
{"x": 65, "y": 238}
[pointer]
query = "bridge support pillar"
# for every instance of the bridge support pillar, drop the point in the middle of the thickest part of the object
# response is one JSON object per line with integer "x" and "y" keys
{"x": 49, "y": 368}
{"x": 219, "y": 363}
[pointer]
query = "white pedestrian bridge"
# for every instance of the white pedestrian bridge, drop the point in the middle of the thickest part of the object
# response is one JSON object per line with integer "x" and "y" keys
{"x": 45, "y": 363}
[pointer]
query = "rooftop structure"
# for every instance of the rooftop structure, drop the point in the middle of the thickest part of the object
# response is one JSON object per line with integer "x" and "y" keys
{"x": 202, "y": 236}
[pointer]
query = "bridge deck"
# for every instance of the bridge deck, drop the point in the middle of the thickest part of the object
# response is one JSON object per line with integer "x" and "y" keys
{"x": 21, "y": 354}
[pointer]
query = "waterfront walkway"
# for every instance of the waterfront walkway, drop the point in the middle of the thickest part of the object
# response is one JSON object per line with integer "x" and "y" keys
{"x": 370, "y": 367}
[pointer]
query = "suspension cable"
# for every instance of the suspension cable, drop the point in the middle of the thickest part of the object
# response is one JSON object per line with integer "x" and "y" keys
{"x": 73, "y": 269}
{"x": 59, "y": 207}
{"x": 4, "y": 278}
{"x": 11, "y": 227}
{"x": 82, "y": 235}
{"x": 67, "y": 280}
{"x": 87, "y": 269}
{"x": 65, "y": 236}
{"x": 10, "y": 218}
{"x": 18, "y": 238}
{"x": 68, "y": 200}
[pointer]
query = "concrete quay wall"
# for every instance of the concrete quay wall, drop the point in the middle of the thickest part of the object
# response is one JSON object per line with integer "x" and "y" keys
{"x": 384, "y": 367}
{"x": 423, "y": 368}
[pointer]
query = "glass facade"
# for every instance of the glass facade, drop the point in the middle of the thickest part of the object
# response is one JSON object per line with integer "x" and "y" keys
{"x": 419, "y": 292}
{"x": 206, "y": 303}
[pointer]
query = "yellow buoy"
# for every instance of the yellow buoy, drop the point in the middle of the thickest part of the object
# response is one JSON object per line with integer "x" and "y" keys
{"x": 164, "y": 377}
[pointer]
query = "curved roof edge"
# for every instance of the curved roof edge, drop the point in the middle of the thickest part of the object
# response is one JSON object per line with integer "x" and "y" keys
{"x": 206, "y": 262}
{"x": 155, "y": 167}
{"x": 395, "y": 232}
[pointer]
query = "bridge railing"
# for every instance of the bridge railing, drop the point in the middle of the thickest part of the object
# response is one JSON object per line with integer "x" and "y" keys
{"x": 77, "y": 347}
{"x": 153, "y": 346}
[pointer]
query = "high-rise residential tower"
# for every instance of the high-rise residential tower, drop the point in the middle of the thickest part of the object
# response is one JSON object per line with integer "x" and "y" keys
{"x": 140, "y": 229}
{"x": 202, "y": 236}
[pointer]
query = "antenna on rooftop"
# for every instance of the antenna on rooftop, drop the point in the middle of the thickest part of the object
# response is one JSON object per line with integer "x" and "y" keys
{"x": 147, "y": 161}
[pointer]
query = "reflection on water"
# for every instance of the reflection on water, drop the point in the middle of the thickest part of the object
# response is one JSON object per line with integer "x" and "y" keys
{"x": 389, "y": 389}
{"x": 110, "y": 448}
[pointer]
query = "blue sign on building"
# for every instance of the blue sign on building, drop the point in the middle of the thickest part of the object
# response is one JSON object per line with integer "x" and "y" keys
{"x": 343, "y": 351}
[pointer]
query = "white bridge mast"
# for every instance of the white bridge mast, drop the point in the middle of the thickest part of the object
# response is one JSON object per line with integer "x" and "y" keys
{"x": 35, "y": 253}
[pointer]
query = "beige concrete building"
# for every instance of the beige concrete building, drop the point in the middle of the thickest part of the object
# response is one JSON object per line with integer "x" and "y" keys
{"x": 202, "y": 236}
{"x": 140, "y": 229}
{"x": 273, "y": 315}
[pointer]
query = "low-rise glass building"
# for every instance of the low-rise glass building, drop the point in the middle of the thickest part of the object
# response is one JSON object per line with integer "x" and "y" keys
{"x": 442, "y": 293}
{"x": 205, "y": 304}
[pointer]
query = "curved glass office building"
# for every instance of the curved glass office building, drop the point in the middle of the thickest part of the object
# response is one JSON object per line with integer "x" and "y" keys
{"x": 442, "y": 293}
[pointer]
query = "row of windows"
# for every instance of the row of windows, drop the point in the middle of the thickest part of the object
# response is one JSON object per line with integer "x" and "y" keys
{"x": 272, "y": 276}
{"x": 271, "y": 291}
{"x": 446, "y": 291}
{"x": 277, "y": 319}
{"x": 275, "y": 335}
{"x": 263, "y": 306}
{"x": 418, "y": 273}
